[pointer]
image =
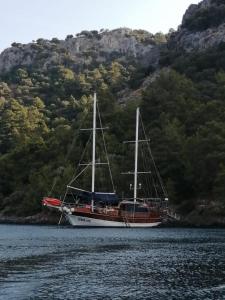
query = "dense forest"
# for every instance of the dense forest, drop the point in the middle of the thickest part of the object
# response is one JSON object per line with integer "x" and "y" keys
{"x": 183, "y": 108}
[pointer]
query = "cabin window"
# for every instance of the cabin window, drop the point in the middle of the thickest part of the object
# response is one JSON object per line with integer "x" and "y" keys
{"x": 133, "y": 207}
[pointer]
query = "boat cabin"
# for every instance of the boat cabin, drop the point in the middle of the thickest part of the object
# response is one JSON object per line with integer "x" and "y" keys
{"x": 130, "y": 206}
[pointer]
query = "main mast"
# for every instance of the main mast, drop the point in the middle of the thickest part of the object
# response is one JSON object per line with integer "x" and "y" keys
{"x": 136, "y": 154}
{"x": 93, "y": 151}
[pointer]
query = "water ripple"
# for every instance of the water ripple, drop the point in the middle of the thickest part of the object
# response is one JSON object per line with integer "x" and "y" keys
{"x": 63, "y": 263}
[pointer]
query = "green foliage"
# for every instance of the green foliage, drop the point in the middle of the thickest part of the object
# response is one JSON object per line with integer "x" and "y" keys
{"x": 19, "y": 125}
{"x": 160, "y": 38}
{"x": 186, "y": 124}
{"x": 147, "y": 38}
{"x": 41, "y": 112}
{"x": 206, "y": 17}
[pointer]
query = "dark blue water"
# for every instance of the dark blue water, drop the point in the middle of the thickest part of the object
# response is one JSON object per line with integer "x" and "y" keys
{"x": 66, "y": 263}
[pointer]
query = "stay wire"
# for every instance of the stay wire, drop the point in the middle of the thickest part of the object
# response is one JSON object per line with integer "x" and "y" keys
{"x": 68, "y": 154}
{"x": 156, "y": 169}
{"x": 106, "y": 152}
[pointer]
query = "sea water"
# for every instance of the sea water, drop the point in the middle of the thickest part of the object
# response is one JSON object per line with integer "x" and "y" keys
{"x": 48, "y": 262}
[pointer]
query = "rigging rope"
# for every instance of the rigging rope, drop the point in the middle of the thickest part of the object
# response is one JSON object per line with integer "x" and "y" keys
{"x": 68, "y": 154}
{"x": 156, "y": 169}
{"x": 148, "y": 186}
{"x": 75, "y": 176}
{"x": 79, "y": 174}
{"x": 106, "y": 152}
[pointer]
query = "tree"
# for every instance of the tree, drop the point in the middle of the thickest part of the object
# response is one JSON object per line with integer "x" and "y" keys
{"x": 20, "y": 124}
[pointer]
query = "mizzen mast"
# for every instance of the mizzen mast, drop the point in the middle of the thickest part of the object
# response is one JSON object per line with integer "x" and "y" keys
{"x": 136, "y": 154}
{"x": 93, "y": 151}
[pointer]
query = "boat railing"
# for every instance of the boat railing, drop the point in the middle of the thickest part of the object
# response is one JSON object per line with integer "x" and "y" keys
{"x": 173, "y": 215}
{"x": 139, "y": 215}
{"x": 126, "y": 221}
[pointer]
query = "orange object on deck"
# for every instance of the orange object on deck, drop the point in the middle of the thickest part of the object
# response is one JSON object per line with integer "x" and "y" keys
{"x": 51, "y": 201}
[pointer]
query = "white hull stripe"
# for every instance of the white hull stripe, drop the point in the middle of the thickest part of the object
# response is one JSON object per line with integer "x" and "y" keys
{"x": 80, "y": 221}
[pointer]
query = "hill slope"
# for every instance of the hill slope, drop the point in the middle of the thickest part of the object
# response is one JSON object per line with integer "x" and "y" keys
{"x": 178, "y": 80}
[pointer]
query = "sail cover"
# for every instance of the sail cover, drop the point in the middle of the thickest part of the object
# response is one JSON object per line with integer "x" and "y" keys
{"x": 104, "y": 198}
{"x": 107, "y": 198}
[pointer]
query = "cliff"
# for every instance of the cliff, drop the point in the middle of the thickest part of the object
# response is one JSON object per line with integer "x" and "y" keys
{"x": 88, "y": 47}
{"x": 203, "y": 27}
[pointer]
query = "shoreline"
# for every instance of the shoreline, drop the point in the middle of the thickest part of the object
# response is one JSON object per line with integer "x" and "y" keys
{"x": 46, "y": 219}
{"x": 42, "y": 218}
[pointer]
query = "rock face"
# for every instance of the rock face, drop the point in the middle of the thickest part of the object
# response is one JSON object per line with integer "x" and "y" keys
{"x": 203, "y": 27}
{"x": 122, "y": 44}
{"x": 200, "y": 41}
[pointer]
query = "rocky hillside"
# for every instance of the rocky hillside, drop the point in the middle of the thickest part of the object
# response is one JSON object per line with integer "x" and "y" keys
{"x": 203, "y": 26}
{"x": 87, "y": 48}
{"x": 178, "y": 80}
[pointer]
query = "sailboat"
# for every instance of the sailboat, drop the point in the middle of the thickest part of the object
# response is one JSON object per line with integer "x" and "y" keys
{"x": 98, "y": 209}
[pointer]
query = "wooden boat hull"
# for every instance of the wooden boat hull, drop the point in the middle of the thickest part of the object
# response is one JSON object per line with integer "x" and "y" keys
{"x": 85, "y": 221}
